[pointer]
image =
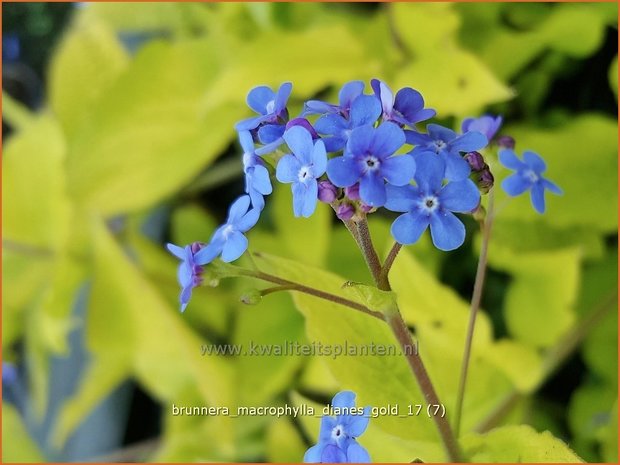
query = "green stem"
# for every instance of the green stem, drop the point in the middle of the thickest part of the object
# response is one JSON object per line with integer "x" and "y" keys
{"x": 389, "y": 261}
{"x": 399, "y": 328}
{"x": 473, "y": 312}
{"x": 290, "y": 285}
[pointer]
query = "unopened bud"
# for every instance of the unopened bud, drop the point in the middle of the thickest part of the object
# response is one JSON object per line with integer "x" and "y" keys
{"x": 475, "y": 160}
{"x": 327, "y": 192}
{"x": 353, "y": 192}
{"x": 251, "y": 297}
{"x": 506, "y": 142}
{"x": 485, "y": 181}
{"x": 345, "y": 211}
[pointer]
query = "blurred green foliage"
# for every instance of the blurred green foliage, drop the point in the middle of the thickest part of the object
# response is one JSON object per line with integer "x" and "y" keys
{"x": 126, "y": 134}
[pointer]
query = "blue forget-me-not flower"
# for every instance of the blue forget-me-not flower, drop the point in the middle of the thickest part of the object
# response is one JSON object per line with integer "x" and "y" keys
{"x": 369, "y": 159}
{"x": 348, "y": 93}
{"x": 406, "y": 109}
{"x": 301, "y": 168}
{"x": 430, "y": 203}
{"x": 271, "y": 109}
{"x": 528, "y": 176}
{"x": 257, "y": 181}
{"x": 448, "y": 145}
{"x": 337, "y": 437}
{"x": 487, "y": 125}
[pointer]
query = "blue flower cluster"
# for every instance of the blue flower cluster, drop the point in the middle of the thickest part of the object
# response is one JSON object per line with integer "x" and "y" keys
{"x": 337, "y": 437}
{"x": 361, "y": 154}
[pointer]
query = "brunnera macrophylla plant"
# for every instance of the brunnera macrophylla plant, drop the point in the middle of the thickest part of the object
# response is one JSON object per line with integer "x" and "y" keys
{"x": 365, "y": 153}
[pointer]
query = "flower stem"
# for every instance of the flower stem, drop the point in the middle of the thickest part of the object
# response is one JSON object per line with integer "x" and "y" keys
{"x": 389, "y": 261}
{"x": 285, "y": 284}
{"x": 399, "y": 328}
{"x": 475, "y": 305}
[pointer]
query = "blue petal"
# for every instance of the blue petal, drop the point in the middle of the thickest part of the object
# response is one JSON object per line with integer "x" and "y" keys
{"x": 417, "y": 138}
{"x": 331, "y": 124}
{"x": 300, "y": 142}
{"x": 360, "y": 140}
{"x": 334, "y": 144}
{"x": 344, "y": 399}
{"x": 385, "y": 95}
{"x": 270, "y": 133}
{"x": 284, "y": 93}
{"x": 398, "y": 170}
{"x": 430, "y": 171}
{"x": 372, "y": 190}
{"x": 437, "y": 132}
{"x": 457, "y": 168}
{"x": 259, "y": 97}
{"x": 319, "y": 159}
{"x": 466, "y": 124}
{"x": 287, "y": 169}
{"x": 208, "y": 253}
{"x": 333, "y": 454}
{"x": 447, "y": 231}
{"x": 186, "y": 294}
{"x": 327, "y": 425}
{"x": 318, "y": 107}
{"x": 258, "y": 201}
{"x": 401, "y": 199}
{"x": 343, "y": 171}
{"x": 248, "y": 220}
{"x": 357, "y": 424}
{"x": 349, "y": 92}
{"x": 357, "y": 454}
{"x": 537, "y": 196}
{"x": 408, "y": 228}
{"x": 534, "y": 161}
{"x": 552, "y": 187}
{"x": 261, "y": 181}
{"x": 460, "y": 196}
{"x": 366, "y": 109}
{"x": 177, "y": 251}
{"x": 515, "y": 185}
{"x": 510, "y": 160}
{"x": 246, "y": 141}
{"x": 238, "y": 209}
{"x": 313, "y": 455}
{"x": 235, "y": 245}
{"x": 269, "y": 147}
{"x": 185, "y": 273}
{"x": 305, "y": 197}
{"x": 387, "y": 139}
{"x": 468, "y": 142}
{"x": 250, "y": 123}
{"x": 408, "y": 102}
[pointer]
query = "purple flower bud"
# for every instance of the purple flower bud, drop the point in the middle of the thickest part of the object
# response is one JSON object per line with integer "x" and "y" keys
{"x": 365, "y": 208}
{"x": 506, "y": 142}
{"x": 485, "y": 181}
{"x": 303, "y": 122}
{"x": 327, "y": 192}
{"x": 197, "y": 246}
{"x": 345, "y": 211}
{"x": 475, "y": 160}
{"x": 353, "y": 192}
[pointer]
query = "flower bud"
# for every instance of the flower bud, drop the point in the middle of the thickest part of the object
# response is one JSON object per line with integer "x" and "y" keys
{"x": 327, "y": 192}
{"x": 506, "y": 142}
{"x": 353, "y": 192}
{"x": 484, "y": 180}
{"x": 251, "y": 297}
{"x": 475, "y": 160}
{"x": 345, "y": 211}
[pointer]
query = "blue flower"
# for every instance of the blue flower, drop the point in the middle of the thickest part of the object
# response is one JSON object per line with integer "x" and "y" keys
{"x": 257, "y": 181}
{"x": 406, "y": 109}
{"x": 302, "y": 168}
{"x": 369, "y": 159}
{"x": 189, "y": 274}
{"x": 337, "y": 437}
{"x": 486, "y": 124}
{"x": 270, "y": 106}
{"x": 528, "y": 176}
{"x": 348, "y": 93}
{"x": 448, "y": 145}
{"x": 365, "y": 110}
{"x": 228, "y": 240}
{"x": 431, "y": 203}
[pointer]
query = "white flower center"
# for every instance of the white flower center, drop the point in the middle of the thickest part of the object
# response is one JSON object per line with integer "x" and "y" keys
{"x": 305, "y": 173}
{"x": 371, "y": 163}
{"x": 530, "y": 176}
{"x": 440, "y": 145}
{"x": 228, "y": 230}
{"x": 338, "y": 433}
{"x": 429, "y": 204}
{"x": 271, "y": 105}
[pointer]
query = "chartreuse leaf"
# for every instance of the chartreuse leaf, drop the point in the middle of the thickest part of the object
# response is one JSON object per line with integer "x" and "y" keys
{"x": 147, "y": 136}
{"x": 382, "y": 446}
{"x": 191, "y": 223}
{"x": 17, "y": 445}
{"x": 440, "y": 318}
{"x": 588, "y": 411}
{"x": 581, "y": 157}
{"x": 303, "y": 239}
{"x": 335, "y": 57}
{"x": 124, "y": 306}
{"x": 539, "y": 304}
{"x": 14, "y": 113}
{"x": 88, "y": 60}
{"x": 378, "y": 380}
{"x": 517, "y": 444}
{"x": 609, "y": 437}
{"x": 375, "y": 299}
{"x": 284, "y": 444}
